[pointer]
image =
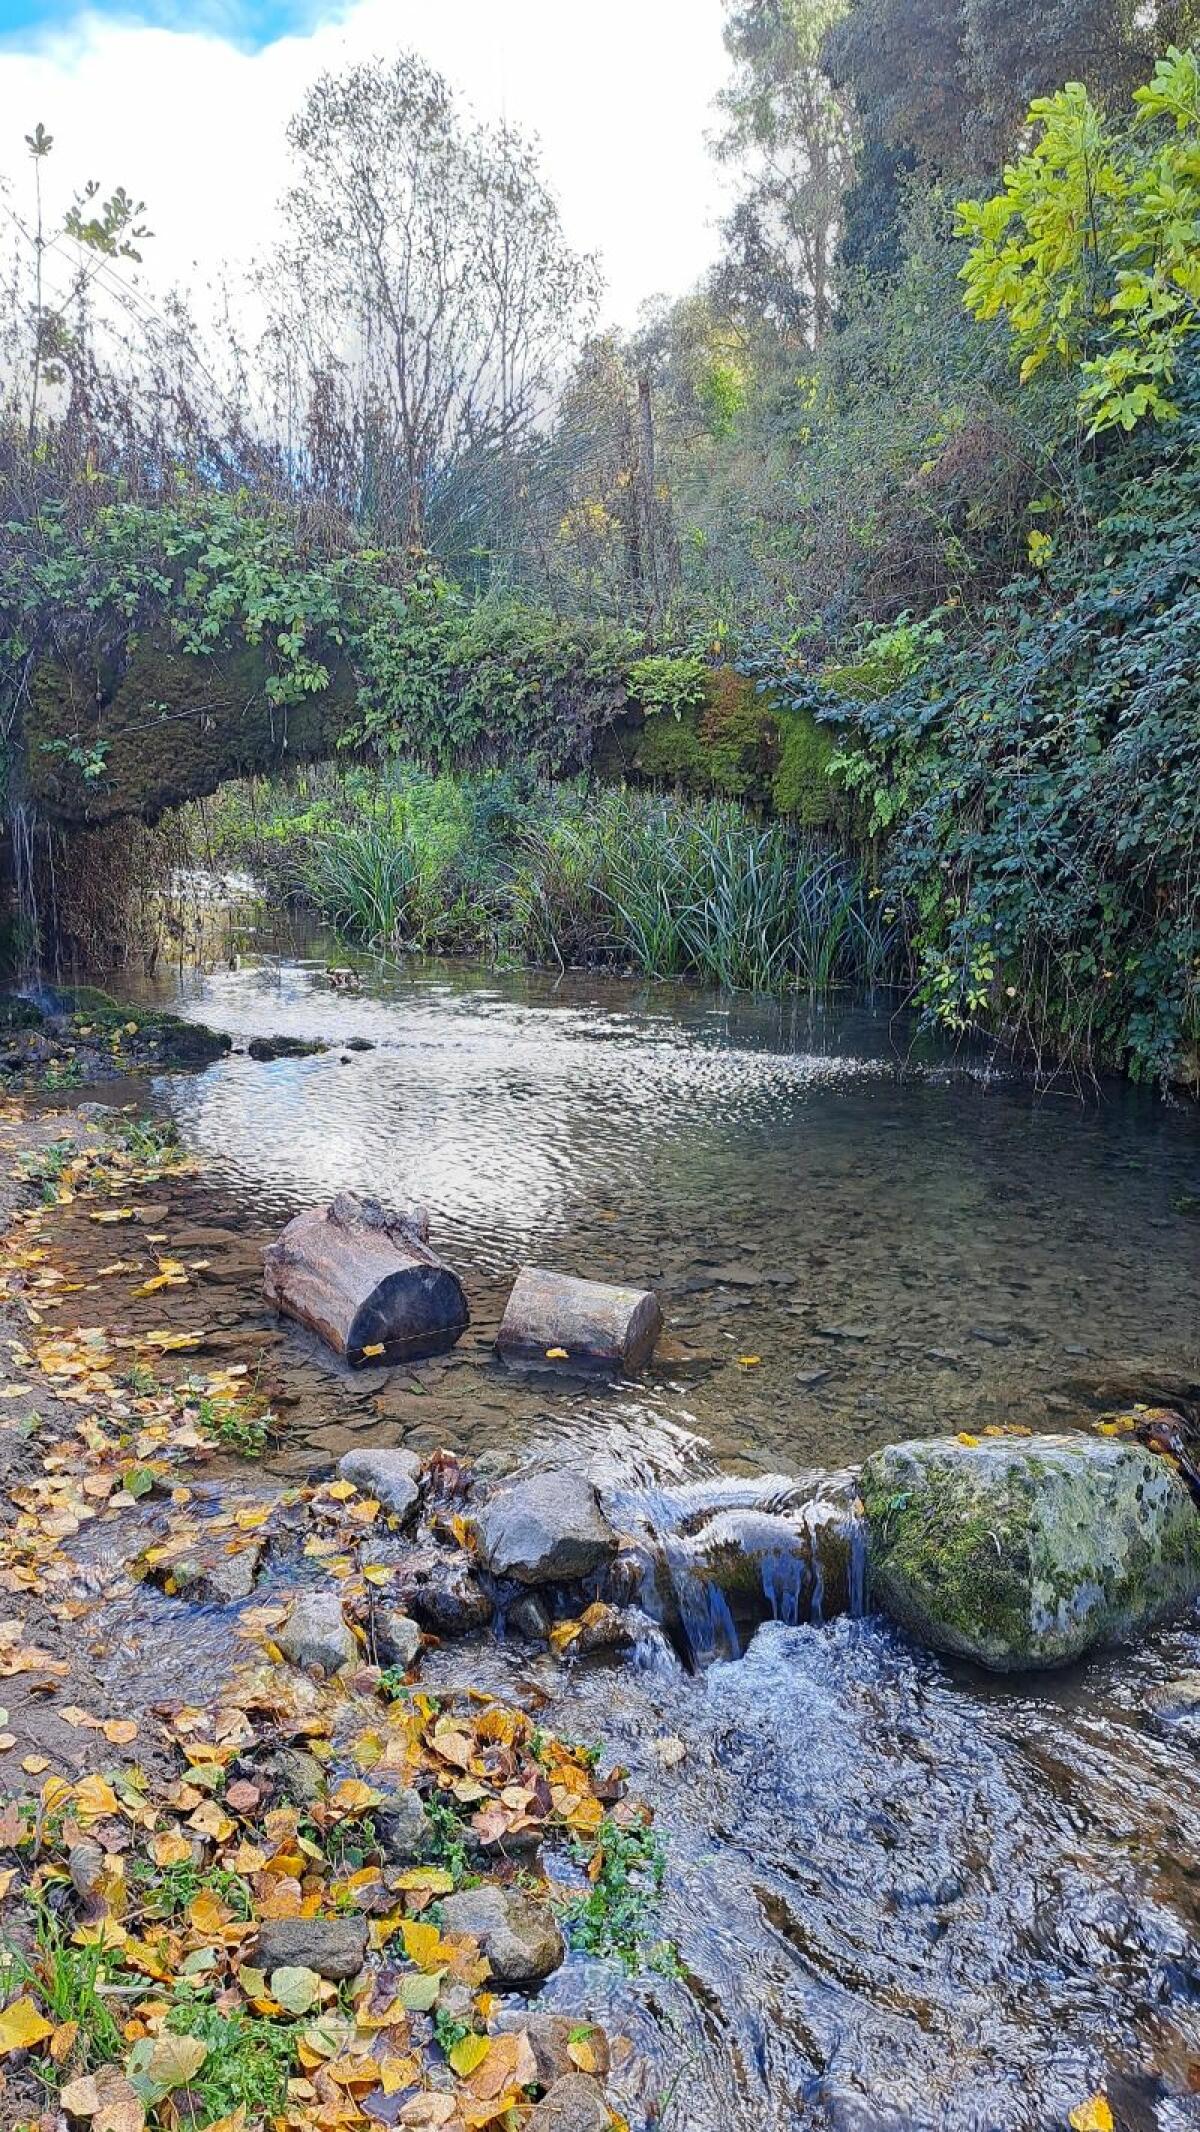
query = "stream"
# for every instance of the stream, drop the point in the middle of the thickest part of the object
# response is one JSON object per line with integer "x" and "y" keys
{"x": 905, "y": 1897}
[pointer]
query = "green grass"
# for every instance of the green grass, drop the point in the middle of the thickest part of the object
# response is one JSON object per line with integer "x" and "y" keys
{"x": 249, "y": 2061}
{"x": 511, "y": 870}
{"x": 69, "y": 1982}
{"x": 617, "y": 1916}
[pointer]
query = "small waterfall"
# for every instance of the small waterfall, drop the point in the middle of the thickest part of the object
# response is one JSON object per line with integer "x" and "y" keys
{"x": 22, "y": 829}
{"x": 715, "y": 1559}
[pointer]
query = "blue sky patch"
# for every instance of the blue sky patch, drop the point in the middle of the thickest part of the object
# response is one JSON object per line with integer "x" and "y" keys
{"x": 248, "y": 23}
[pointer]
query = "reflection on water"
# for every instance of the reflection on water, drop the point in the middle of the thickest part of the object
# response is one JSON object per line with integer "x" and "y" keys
{"x": 903, "y": 1247}
{"x": 905, "y": 1899}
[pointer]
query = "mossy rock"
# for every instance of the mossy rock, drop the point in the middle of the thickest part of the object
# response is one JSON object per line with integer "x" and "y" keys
{"x": 19, "y": 1014}
{"x": 727, "y": 746}
{"x": 802, "y": 787}
{"x": 169, "y": 726}
{"x": 1024, "y": 1552}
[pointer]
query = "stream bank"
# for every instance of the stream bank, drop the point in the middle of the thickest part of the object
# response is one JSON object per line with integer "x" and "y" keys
{"x": 899, "y": 1894}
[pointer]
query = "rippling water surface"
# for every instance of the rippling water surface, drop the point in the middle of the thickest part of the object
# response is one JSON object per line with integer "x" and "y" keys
{"x": 904, "y": 1896}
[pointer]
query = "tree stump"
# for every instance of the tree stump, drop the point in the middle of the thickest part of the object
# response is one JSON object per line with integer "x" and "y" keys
{"x": 365, "y": 1279}
{"x": 552, "y": 1316}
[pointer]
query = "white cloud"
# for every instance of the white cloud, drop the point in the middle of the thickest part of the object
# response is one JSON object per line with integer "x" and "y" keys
{"x": 619, "y": 94}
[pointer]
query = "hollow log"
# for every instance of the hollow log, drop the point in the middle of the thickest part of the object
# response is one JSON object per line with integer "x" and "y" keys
{"x": 553, "y": 1316}
{"x": 363, "y": 1277}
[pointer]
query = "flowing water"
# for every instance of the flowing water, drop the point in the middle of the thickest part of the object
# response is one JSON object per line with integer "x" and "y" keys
{"x": 903, "y": 1895}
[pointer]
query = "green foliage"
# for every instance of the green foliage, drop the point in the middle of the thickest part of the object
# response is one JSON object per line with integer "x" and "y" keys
{"x": 667, "y": 684}
{"x": 1039, "y": 781}
{"x": 249, "y": 2061}
{"x": 564, "y": 874}
{"x": 616, "y": 1918}
{"x": 1092, "y": 250}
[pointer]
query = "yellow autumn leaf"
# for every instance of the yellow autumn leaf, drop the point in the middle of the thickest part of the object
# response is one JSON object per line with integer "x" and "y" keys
{"x": 964, "y": 1436}
{"x": 1093, "y": 2115}
{"x": 21, "y": 2026}
{"x": 557, "y": 1354}
{"x": 467, "y": 2053}
{"x": 377, "y": 1347}
{"x": 749, "y": 1362}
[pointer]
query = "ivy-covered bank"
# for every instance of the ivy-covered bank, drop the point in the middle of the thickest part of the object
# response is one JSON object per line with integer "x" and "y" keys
{"x": 1018, "y": 796}
{"x": 150, "y": 654}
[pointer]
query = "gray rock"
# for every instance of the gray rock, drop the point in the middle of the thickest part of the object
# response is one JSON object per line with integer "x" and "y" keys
{"x": 548, "y": 2036}
{"x": 546, "y": 1529}
{"x": 529, "y": 1619}
{"x": 389, "y": 1476}
{"x": 517, "y": 1933}
{"x": 402, "y": 1824}
{"x": 574, "y": 2104}
{"x": 1175, "y": 1711}
{"x": 441, "y": 1591}
{"x": 397, "y": 1638}
{"x": 336, "y": 1947}
{"x": 295, "y": 1775}
{"x": 315, "y": 1633}
{"x": 217, "y": 1579}
{"x": 1028, "y": 1551}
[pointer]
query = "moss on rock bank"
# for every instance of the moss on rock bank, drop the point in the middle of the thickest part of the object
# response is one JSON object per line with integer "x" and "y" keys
{"x": 1028, "y": 1552}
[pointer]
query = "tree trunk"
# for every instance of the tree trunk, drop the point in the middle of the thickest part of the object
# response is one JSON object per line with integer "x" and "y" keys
{"x": 365, "y": 1280}
{"x": 589, "y": 1321}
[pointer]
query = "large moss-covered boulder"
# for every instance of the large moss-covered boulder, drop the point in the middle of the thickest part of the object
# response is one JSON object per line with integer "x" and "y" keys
{"x": 1028, "y": 1551}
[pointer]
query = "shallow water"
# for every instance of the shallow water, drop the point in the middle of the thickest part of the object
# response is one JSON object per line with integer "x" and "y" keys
{"x": 904, "y": 1246}
{"x": 903, "y": 1895}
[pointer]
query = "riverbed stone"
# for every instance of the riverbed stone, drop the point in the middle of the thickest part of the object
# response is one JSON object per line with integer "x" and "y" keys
{"x": 266, "y": 1048}
{"x": 440, "y": 1590}
{"x": 1028, "y": 1551}
{"x": 398, "y": 1638}
{"x": 216, "y": 1577}
{"x": 1175, "y": 1709}
{"x": 548, "y": 1528}
{"x": 550, "y": 2036}
{"x": 294, "y": 1775}
{"x": 315, "y": 1633}
{"x": 518, "y": 1934}
{"x": 573, "y": 2104}
{"x": 404, "y": 1831}
{"x": 389, "y": 1476}
{"x": 336, "y": 1947}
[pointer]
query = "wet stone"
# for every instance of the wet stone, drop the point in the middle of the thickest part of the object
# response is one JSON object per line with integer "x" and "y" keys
{"x": 402, "y": 1824}
{"x": 547, "y": 1529}
{"x": 441, "y": 1592}
{"x": 549, "y": 2037}
{"x": 397, "y": 1638}
{"x": 518, "y": 1934}
{"x": 389, "y": 1476}
{"x": 218, "y": 1579}
{"x": 1175, "y": 1710}
{"x": 315, "y": 1633}
{"x": 575, "y": 2104}
{"x": 294, "y": 1775}
{"x": 336, "y": 1947}
{"x": 529, "y": 1619}
{"x": 266, "y": 1048}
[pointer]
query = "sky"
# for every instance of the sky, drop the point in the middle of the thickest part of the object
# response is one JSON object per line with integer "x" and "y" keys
{"x": 184, "y": 102}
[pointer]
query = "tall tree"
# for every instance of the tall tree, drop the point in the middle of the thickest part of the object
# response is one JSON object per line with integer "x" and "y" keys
{"x": 424, "y": 296}
{"x": 790, "y": 134}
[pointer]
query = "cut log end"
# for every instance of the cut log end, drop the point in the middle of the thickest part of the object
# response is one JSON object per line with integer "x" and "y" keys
{"x": 591, "y": 1324}
{"x": 365, "y": 1280}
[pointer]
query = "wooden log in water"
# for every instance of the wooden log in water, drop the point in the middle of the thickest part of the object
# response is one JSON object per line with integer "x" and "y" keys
{"x": 364, "y": 1278}
{"x": 554, "y": 1316}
